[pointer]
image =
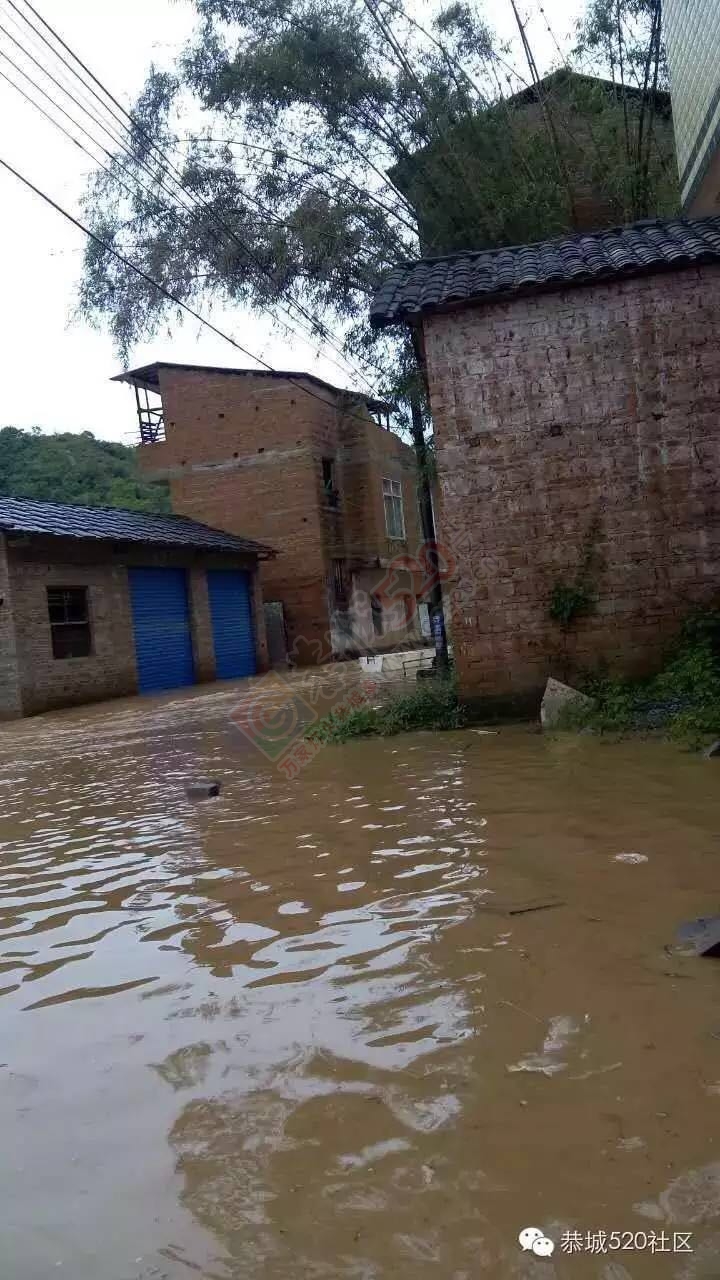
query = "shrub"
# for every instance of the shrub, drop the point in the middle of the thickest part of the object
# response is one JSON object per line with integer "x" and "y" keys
{"x": 683, "y": 700}
{"x": 432, "y": 704}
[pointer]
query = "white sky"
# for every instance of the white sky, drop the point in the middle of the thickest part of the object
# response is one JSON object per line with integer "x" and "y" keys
{"x": 56, "y": 370}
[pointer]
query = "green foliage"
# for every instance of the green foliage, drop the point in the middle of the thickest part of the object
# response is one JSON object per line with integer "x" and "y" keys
{"x": 682, "y": 701}
{"x": 320, "y": 142}
{"x": 569, "y": 601}
{"x": 433, "y": 704}
{"x": 77, "y": 468}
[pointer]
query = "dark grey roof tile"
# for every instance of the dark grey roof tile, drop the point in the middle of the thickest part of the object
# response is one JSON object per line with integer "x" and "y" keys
{"x": 418, "y": 288}
{"x": 115, "y": 524}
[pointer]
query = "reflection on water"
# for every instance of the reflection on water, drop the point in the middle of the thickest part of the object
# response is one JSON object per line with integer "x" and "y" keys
{"x": 298, "y": 1030}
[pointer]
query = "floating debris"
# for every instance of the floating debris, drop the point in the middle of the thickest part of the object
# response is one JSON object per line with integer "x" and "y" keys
{"x": 522, "y": 908}
{"x": 202, "y": 789}
{"x": 560, "y": 1030}
{"x": 631, "y": 1144}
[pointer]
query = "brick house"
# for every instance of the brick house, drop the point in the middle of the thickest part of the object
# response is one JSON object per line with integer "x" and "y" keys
{"x": 309, "y": 468}
{"x": 98, "y": 602}
{"x": 589, "y": 115}
{"x": 575, "y": 390}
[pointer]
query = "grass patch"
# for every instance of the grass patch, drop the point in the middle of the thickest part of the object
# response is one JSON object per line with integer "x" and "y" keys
{"x": 682, "y": 701}
{"x": 433, "y": 704}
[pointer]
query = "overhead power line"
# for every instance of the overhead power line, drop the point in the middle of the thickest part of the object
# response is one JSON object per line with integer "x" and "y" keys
{"x": 346, "y": 369}
{"x": 263, "y": 209}
{"x": 76, "y": 142}
{"x": 167, "y": 293}
{"x": 172, "y": 208}
{"x": 174, "y": 175}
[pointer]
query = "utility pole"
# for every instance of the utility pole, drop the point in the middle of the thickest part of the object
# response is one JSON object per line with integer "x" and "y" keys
{"x": 437, "y": 615}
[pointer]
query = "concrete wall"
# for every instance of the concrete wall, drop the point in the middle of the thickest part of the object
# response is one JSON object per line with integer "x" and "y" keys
{"x": 244, "y": 453}
{"x": 45, "y": 682}
{"x": 576, "y": 425}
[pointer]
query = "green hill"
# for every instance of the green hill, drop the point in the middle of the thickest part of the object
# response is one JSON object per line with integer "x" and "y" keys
{"x": 75, "y": 467}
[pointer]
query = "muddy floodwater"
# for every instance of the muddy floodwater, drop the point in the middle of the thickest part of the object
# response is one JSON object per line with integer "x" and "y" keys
{"x": 307, "y": 1030}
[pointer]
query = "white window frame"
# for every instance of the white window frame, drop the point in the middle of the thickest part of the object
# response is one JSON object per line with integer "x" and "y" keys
{"x": 392, "y": 489}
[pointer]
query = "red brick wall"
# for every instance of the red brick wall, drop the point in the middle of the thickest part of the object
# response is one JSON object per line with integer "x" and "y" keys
{"x": 582, "y": 417}
{"x": 244, "y": 453}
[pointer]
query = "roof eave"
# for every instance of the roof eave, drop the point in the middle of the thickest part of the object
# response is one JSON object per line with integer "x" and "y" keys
{"x": 132, "y": 378}
{"x": 151, "y": 382}
{"x": 557, "y": 285}
{"x": 258, "y": 549}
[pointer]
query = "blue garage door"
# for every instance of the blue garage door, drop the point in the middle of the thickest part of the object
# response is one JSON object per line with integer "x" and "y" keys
{"x": 161, "y": 622}
{"x": 231, "y": 613}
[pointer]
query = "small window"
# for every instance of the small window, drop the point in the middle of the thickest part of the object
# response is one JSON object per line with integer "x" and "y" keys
{"x": 69, "y": 622}
{"x": 330, "y": 492}
{"x": 394, "y": 515}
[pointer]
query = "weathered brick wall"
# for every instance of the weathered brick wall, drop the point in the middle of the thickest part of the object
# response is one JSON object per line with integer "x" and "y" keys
{"x": 109, "y": 671}
{"x": 578, "y": 422}
{"x": 368, "y": 455}
{"x": 244, "y": 453}
{"x": 10, "y": 704}
{"x": 239, "y": 456}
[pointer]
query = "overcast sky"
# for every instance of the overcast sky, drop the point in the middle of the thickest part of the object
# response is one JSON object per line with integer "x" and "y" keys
{"x": 56, "y": 370}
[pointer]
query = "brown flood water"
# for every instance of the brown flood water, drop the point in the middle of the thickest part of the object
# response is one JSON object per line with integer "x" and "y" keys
{"x": 294, "y": 1032}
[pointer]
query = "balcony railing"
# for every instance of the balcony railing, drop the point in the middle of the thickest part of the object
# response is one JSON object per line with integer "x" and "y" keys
{"x": 150, "y": 418}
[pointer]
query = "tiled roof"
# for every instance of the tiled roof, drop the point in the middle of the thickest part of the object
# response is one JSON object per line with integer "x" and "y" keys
{"x": 564, "y": 81}
{"x": 149, "y": 377}
{"x": 418, "y": 288}
{"x": 114, "y": 524}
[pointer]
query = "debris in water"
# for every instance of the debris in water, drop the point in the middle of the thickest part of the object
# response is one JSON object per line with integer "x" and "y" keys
{"x": 202, "y": 789}
{"x": 632, "y": 858}
{"x": 713, "y": 751}
{"x": 538, "y": 1063}
{"x": 703, "y": 935}
{"x": 693, "y": 1197}
{"x": 535, "y": 906}
{"x": 647, "y": 1209}
{"x": 597, "y": 1071}
{"x": 522, "y": 908}
{"x": 560, "y": 1030}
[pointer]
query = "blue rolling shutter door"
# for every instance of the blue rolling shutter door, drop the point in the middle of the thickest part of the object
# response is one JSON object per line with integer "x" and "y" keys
{"x": 231, "y": 612}
{"x": 161, "y": 622}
